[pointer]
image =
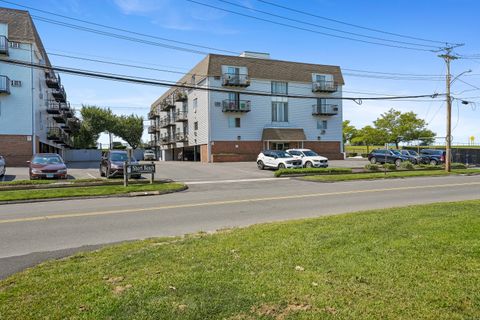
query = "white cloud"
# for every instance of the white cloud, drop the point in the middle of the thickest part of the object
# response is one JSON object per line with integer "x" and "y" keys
{"x": 140, "y": 6}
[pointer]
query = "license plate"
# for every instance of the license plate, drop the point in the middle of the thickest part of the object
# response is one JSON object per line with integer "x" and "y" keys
{"x": 50, "y": 175}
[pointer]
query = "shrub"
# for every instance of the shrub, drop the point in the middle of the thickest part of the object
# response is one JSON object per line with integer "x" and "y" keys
{"x": 364, "y": 155}
{"x": 311, "y": 171}
{"x": 352, "y": 154}
{"x": 390, "y": 166}
{"x": 407, "y": 165}
{"x": 457, "y": 165}
{"x": 372, "y": 167}
{"x": 429, "y": 167}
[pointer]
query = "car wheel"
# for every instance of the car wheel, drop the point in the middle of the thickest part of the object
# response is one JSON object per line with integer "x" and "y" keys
{"x": 281, "y": 166}
{"x": 260, "y": 165}
{"x": 398, "y": 162}
{"x": 433, "y": 162}
{"x": 373, "y": 160}
{"x": 308, "y": 164}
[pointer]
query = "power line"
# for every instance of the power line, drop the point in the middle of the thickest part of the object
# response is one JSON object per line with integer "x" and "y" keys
{"x": 120, "y": 29}
{"x": 324, "y": 27}
{"x": 350, "y": 24}
{"x": 155, "y": 82}
{"x": 306, "y": 29}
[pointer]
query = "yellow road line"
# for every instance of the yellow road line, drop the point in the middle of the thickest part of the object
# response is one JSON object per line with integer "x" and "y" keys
{"x": 217, "y": 203}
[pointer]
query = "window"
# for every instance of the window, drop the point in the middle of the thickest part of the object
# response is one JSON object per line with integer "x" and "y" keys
{"x": 195, "y": 125}
{"x": 14, "y": 45}
{"x": 233, "y": 96}
{"x": 279, "y": 111}
{"x": 321, "y": 102}
{"x": 195, "y": 104}
{"x": 233, "y": 122}
{"x": 322, "y": 124}
{"x": 279, "y": 87}
{"x": 16, "y": 83}
{"x": 233, "y": 71}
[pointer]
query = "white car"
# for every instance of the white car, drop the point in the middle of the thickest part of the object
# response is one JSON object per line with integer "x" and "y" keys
{"x": 310, "y": 159}
{"x": 3, "y": 166}
{"x": 277, "y": 159}
{"x": 149, "y": 155}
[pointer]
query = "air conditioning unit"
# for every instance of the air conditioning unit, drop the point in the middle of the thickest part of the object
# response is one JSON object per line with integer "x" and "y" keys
{"x": 335, "y": 109}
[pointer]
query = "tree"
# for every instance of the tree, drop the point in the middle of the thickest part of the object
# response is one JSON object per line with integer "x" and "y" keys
{"x": 398, "y": 126}
{"x": 130, "y": 129}
{"x": 369, "y": 136}
{"x": 349, "y": 131}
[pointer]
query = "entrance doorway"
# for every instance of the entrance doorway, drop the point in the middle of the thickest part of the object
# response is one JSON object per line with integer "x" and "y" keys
{"x": 280, "y": 146}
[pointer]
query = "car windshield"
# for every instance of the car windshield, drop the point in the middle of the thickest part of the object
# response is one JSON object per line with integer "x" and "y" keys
{"x": 412, "y": 153}
{"x": 396, "y": 152}
{"x": 149, "y": 152}
{"x": 310, "y": 153}
{"x": 47, "y": 160}
{"x": 295, "y": 153}
{"x": 282, "y": 154}
{"x": 118, "y": 157}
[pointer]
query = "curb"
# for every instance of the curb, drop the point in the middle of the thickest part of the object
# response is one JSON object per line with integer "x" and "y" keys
{"x": 121, "y": 195}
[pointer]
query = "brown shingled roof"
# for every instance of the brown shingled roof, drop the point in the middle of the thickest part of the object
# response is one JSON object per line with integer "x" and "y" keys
{"x": 283, "y": 134}
{"x": 22, "y": 29}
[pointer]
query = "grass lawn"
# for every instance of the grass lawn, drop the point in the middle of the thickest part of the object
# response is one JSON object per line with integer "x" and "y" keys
{"x": 389, "y": 175}
{"x": 14, "y": 195}
{"x": 420, "y": 262}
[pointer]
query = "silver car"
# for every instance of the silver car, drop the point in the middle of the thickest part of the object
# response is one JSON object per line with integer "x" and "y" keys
{"x": 3, "y": 166}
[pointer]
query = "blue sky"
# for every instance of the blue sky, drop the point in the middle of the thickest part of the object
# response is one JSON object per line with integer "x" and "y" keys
{"x": 444, "y": 20}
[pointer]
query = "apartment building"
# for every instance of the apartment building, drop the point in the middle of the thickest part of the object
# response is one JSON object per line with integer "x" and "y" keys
{"x": 35, "y": 115}
{"x": 236, "y": 106}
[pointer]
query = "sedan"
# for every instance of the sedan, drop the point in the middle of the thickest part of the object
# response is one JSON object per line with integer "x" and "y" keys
{"x": 3, "y": 166}
{"x": 46, "y": 166}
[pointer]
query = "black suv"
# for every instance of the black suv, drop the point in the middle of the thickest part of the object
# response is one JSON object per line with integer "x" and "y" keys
{"x": 112, "y": 162}
{"x": 386, "y": 156}
{"x": 412, "y": 156}
{"x": 433, "y": 156}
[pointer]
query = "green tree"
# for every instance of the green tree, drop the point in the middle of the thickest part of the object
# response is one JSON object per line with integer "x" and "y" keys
{"x": 369, "y": 136}
{"x": 398, "y": 126}
{"x": 130, "y": 129}
{"x": 349, "y": 131}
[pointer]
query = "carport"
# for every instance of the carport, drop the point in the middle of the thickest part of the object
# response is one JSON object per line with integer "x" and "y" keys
{"x": 283, "y": 138}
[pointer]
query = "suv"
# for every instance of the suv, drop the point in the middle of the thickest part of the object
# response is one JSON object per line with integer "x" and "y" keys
{"x": 149, "y": 155}
{"x": 112, "y": 162}
{"x": 386, "y": 156}
{"x": 433, "y": 156}
{"x": 309, "y": 158}
{"x": 412, "y": 156}
{"x": 3, "y": 166}
{"x": 277, "y": 159}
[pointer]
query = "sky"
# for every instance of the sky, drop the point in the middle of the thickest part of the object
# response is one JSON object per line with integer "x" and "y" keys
{"x": 453, "y": 21}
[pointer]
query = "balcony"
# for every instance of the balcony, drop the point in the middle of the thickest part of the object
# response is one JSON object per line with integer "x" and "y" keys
{"x": 324, "y": 86}
{"x": 152, "y": 129}
{"x": 180, "y": 95}
{"x": 59, "y": 94}
{"x": 60, "y": 117}
{"x": 4, "y": 85}
{"x": 54, "y": 134}
{"x": 3, "y": 45}
{"x": 71, "y": 125}
{"x": 167, "y": 104}
{"x": 235, "y": 80}
{"x": 325, "y": 110}
{"x": 181, "y": 137}
{"x": 236, "y": 106}
{"x": 53, "y": 107}
{"x": 52, "y": 79}
{"x": 167, "y": 122}
{"x": 181, "y": 116}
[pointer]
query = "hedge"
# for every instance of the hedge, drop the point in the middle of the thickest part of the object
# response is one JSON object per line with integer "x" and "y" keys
{"x": 311, "y": 171}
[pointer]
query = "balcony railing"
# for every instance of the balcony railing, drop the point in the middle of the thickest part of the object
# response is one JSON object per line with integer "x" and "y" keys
{"x": 52, "y": 79}
{"x": 235, "y": 80}
{"x": 324, "y": 86}
{"x": 3, "y": 45}
{"x": 181, "y": 137}
{"x": 324, "y": 110}
{"x": 55, "y": 134}
{"x": 236, "y": 106}
{"x": 152, "y": 129}
{"x": 167, "y": 104}
{"x": 4, "y": 85}
{"x": 181, "y": 115}
{"x": 60, "y": 117}
{"x": 180, "y": 95}
{"x": 167, "y": 121}
{"x": 53, "y": 107}
{"x": 59, "y": 94}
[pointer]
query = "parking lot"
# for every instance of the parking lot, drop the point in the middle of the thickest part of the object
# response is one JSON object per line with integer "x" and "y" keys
{"x": 180, "y": 171}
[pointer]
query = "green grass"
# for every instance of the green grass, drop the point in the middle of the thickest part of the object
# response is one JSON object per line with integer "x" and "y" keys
{"x": 15, "y": 195}
{"x": 311, "y": 171}
{"x": 420, "y": 262}
{"x": 389, "y": 175}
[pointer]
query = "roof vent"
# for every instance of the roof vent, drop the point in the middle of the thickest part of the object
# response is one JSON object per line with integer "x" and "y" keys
{"x": 252, "y": 54}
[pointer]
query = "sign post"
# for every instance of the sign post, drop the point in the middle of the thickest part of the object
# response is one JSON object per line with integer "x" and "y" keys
{"x": 137, "y": 169}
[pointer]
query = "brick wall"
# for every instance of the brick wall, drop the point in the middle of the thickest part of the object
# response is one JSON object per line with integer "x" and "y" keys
{"x": 329, "y": 149}
{"x": 16, "y": 150}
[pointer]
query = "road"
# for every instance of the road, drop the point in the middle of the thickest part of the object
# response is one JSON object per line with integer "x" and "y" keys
{"x": 32, "y": 233}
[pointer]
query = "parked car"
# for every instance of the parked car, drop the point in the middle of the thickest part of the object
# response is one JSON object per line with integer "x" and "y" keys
{"x": 149, "y": 155}
{"x": 386, "y": 156}
{"x": 3, "y": 166}
{"x": 412, "y": 156}
{"x": 309, "y": 158}
{"x": 47, "y": 166}
{"x": 277, "y": 159}
{"x": 112, "y": 162}
{"x": 433, "y": 156}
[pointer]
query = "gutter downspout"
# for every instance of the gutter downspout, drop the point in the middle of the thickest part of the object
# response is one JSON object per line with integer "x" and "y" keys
{"x": 34, "y": 139}
{"x": 209, "y": 131}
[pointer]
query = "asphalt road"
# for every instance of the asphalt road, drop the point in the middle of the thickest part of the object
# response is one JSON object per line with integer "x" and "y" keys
{"x": 31, "y": 233}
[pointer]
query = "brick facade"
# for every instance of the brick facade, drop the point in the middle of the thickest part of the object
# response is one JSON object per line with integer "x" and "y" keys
{"x": 329, "y": 149}
{"x": 16, "y": 150}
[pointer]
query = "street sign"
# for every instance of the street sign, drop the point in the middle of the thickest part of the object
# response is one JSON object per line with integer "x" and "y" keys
{"x": 140, "y": 168}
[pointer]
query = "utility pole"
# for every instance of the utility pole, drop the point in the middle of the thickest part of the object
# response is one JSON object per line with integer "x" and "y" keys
{"x": 447, "y": 56}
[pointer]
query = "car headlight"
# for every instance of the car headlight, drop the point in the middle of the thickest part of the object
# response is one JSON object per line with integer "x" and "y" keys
{"x": 62, "y": 171}
{"x": 36, "y": 171}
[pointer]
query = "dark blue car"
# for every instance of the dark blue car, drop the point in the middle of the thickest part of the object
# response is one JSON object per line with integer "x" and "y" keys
{"x": 386, "y": 156}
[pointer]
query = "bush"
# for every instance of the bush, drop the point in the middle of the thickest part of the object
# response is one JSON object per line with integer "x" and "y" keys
{"x": 352, "y": 154}
{"x": 457, "y": 165}
{"x": 390, "y": 166}
{"x": 407, "y": 165}
{"x": 364, "y": 155}
{"x": 372, "y": 167}
{"x": 429, "y": 167}
{"x": 311, "y": 171}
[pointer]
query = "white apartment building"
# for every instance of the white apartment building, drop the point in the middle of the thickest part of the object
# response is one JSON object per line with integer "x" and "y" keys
{"x": 35, "y": 115}
{"x": 237, "y": 106}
